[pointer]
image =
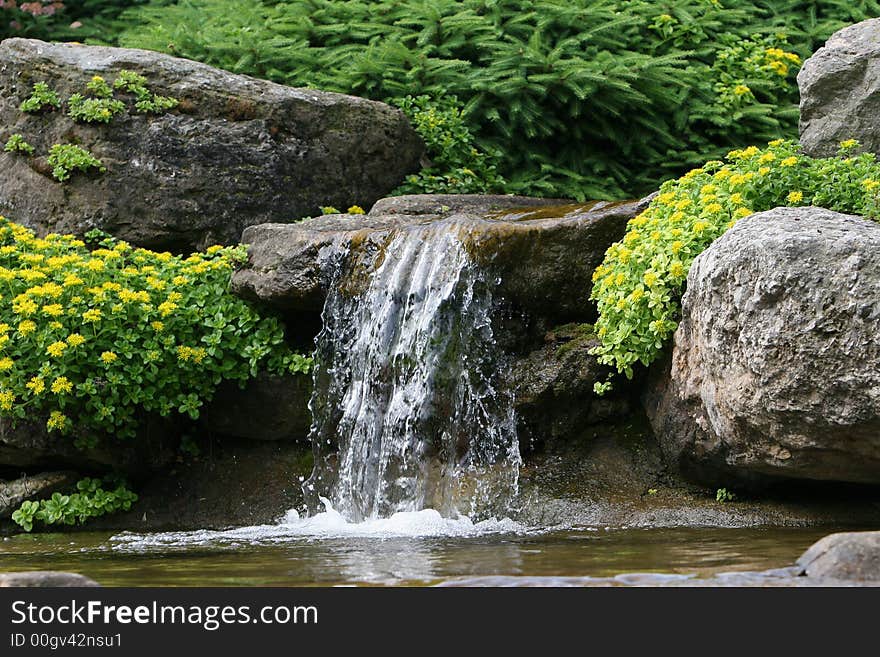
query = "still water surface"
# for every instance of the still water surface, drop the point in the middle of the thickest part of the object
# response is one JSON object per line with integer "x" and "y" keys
{"x": 293, "y": 555}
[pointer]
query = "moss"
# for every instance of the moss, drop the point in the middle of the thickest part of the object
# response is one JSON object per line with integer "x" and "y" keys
{"x": 575, "y": 336}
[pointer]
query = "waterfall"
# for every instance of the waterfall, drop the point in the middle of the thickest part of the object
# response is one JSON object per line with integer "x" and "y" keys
{"x": 405, "y": 413}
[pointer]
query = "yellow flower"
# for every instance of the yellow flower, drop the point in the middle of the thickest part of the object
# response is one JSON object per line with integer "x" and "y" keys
{"x": 92, "y": 315}
{"x": 27, "y": 327}
{"x": 849, "y": 143}
{"x": 650, "y": 278}
{"x": 700, "y": 226}
{"x": 677, "y": 246}
{"x": 763, "y": 171}
{"x": 766, "y": 157}
{"x": 62, "y": 385}
{"x": 870, "y": 185}
{"x": 57, "y": 421}
{"x": 75, "y": 339}
{"x": 789, "y": 161}
{"x": 795, "y": 197}
{"x": 184, "y": 353}
{"x": 356, "y": 209}
{"x": 6, "y": 364}
{"x": 622, "y": 304}
{"x": 739, "y": 213}
{"x": 7, "y": 399}
{"x": 108, "y": 357}
{"x": 56, "y": 349}
{"x": 714, "y": 208}
{"x": 676, "y": 269}
{"x": 736, "y": 198}
{"x": 53, "y": 310}
{"x": 36, "y": 385}
{"x": 158, "y": 326}
{"x": 776, "y": 142}
{"x": 637, "y": 294}
{"x": 741, "y": 90}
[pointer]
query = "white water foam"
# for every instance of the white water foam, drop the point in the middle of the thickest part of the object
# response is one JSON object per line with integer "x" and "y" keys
{"x": 328, "y": 525}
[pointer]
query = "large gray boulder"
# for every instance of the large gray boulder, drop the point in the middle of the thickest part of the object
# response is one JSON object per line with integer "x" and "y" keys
{"x": 840, "y": 91}
{"x": 543, "y": 253}
{"x": 236, "y": 152}
{"x": 849, "y": 556}
{"x": 776, "y": 364}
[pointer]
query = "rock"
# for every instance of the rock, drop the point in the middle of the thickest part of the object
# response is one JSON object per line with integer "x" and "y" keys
{"x": 543, "y": 255}
{"x": 236, "y": 152}
{"x": 612, "y": 475}
{"x": 850, "y": 556}
{"x": 267, "y": 408}
{"x": 28, "y": 446}
{"x": 775, "y": 369}
{"x": 44, "y": 579}
{"x": 553, "y": 387}
{"x": 446, "y": 204}
{"x": 231, "y": 483}
{"x": 839, "y": 88}
{"x": 33, "y": 487}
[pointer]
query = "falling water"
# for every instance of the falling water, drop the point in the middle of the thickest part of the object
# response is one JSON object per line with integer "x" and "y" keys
{"x": 406, "y": 416}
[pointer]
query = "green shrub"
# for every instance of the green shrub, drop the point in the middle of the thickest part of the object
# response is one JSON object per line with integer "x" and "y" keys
{"x": 90, "y": 501}
{"x": 639, "y": 285}
{"x": 457, "y": 165}
{"x": 583, "y": 99}
{"x": 17, "y": 144}
{"x": 93, "y": 110}
{"x": 68, "y": 158}
{"x": 93, "y": 340}
{"x": 41, "y": 98}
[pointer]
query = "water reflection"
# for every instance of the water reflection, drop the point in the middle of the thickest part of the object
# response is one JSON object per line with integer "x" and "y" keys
{"x": 511, "y": 558}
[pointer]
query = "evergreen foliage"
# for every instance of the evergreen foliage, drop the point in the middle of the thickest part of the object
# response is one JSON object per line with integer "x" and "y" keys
{"x": 583, "y": 98}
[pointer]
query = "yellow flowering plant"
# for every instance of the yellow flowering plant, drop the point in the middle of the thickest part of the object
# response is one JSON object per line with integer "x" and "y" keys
{"x": 91, "y": 339}
{"x": 639, "y": 284}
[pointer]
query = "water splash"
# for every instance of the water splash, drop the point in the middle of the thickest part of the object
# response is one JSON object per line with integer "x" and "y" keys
{"x": 326, "y": 525}
{"x": 406, "y": 415}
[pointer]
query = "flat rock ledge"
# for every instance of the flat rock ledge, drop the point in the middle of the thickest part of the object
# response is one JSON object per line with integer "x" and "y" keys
{"x": 543, "y": 253}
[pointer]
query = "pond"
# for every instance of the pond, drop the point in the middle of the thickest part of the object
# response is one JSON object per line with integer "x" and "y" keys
{"x": 303, "y": 554}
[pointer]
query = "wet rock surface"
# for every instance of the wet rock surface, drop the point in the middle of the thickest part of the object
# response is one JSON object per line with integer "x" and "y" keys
{"x": 775, "y": 370}
{"x": 237, "y": 151}
{"x": 542, "y": 255}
